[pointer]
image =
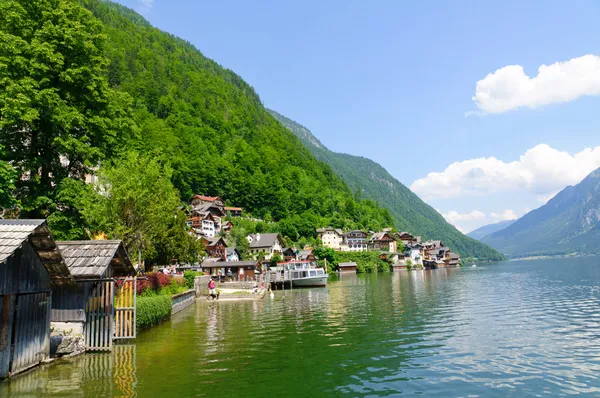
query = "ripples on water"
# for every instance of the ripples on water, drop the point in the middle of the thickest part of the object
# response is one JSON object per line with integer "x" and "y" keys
{"x": 512, "y": 329}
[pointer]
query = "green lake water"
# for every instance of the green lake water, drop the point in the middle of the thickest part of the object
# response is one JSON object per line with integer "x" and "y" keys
{"x": 523, "y": 328}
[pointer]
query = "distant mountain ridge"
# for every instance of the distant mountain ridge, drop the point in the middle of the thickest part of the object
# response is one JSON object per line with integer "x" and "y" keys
{"x": 568, "y": 224}
{"x": 480, "y": 232}
{"x": 372, "y": 181}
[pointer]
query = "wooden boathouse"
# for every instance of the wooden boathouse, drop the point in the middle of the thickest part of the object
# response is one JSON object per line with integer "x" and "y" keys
{"x": 101, "y": 304}
{"x": 30, "y": 265}
{"x": 347, "y": 268}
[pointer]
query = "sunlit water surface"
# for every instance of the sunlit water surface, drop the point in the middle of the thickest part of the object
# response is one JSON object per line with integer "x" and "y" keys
{"x": 527, "y": 328}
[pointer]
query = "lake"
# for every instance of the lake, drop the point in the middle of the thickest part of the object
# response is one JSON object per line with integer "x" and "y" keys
{"x": 521, "y": 328}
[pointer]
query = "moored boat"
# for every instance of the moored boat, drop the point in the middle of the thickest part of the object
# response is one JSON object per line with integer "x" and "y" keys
{"x": 305, "y": 274}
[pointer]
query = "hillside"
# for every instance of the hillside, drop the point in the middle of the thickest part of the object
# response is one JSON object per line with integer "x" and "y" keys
{"x": 568, "y": 224}
{"x": 410, "y": 213}
{"x": 488, "y": 229}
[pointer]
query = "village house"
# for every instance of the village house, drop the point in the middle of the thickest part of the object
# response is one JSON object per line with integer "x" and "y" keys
{"x": 415, "y": 253}
{"x": 233, "y": 211}
{"x": 201, "y": 201}
{"x": 383, "y": 241}
{"x": 233, "y": 254}
{"x": 30, "y": 266}
{"x": 231, "y": 270}
{"x": 269, "y": 244}
{"x": 407, "y": 238}
{"x": 215, "y": 247}
{"x": 331, "y": 237}
{"x": 356, "y": 240}
{"x": 306, "y": 255}
{"x": 288, "y": 253}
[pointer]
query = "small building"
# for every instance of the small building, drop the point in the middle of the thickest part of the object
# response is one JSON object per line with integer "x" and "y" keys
{"x": 103, "y": 274}
{"x": 453, "y": 260}
{"x": 240, "y": 270}
{"x": 347, "y": 268}
{"x": 331, "y": 237}
{"x": 199, "y": 201}
{"x": 30, "y": 266}
{"x": 233, "y": 254}
{"x": 383, "y": 241}
{"x": 269, "y": 244}
{"x": 414, "y": 253}
{"x": 226, "y": 226}
{"x": 233, "y": 211}
{"x": 407, "y": 238}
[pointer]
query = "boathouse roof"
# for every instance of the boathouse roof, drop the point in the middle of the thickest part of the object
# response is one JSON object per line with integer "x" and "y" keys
{"x": 13, "y": 233}
{"x": 347, "y": 265}
{"x": 91, "y": 258}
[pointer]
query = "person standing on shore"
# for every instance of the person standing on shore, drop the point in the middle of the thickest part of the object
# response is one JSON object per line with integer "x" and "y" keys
{"x": 211, "y": 288}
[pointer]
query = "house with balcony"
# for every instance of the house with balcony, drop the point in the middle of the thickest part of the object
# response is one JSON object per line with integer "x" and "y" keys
{"x": 383, "y": 241}
{"x": 356, "y": 240}
{"x": 331, "y": 237}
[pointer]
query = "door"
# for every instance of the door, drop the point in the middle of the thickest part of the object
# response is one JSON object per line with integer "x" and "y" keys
{"x": 125, "y": 312}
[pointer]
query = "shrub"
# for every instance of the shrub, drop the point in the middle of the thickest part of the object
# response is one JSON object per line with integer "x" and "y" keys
{"x": 152, "y": 311}
{"x": 189, "y": 277}
{"x": 176, "y": 285}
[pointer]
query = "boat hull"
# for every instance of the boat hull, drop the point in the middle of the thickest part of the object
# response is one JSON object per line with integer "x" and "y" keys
{"x": 315, "y": 281}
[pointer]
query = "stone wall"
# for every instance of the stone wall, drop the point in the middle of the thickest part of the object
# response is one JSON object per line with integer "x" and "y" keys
{"x": 183, "y": 300}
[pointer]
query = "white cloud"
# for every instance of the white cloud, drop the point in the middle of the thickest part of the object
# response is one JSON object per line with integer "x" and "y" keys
{"x": 145, "y": 5}
{"x": 510, "y": 88}
{"x": 542, "y": 170}
{"x": 466, "y": 222}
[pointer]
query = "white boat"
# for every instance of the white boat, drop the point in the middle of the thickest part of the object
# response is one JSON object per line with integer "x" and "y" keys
{"x": 305, "y": 274}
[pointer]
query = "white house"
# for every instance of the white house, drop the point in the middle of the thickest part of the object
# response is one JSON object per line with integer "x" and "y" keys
{"x": 414, "y": 253}
{"x": 331, "y": 237}
{"x": 270, "y": 244}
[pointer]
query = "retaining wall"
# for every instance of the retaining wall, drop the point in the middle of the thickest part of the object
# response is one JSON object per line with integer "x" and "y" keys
{"x": 183, "y": 300}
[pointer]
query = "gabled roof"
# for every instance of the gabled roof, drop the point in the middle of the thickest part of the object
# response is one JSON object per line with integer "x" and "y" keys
{"x": 13, "y": 233}
{"x": 348, "y": 264}
{"x": 214, "y": 241}
{"x": 264, "y": 240}
{"x": 337, "y": 230}
{"x": 380, "y": 235}
{"x": 231, "y": 250}
{"x": 91, "y": 258}
{"x": 206, "y": 198}
{"x": 355, "y": 231}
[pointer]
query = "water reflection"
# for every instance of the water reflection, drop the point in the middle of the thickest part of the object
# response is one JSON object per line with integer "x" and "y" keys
{"x": 91, "y": 375}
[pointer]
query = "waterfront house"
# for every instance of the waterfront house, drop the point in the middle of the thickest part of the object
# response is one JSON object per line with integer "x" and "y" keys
{"x": 288, "y": 253}
{"x": 233, "y": 211}
{"x": 453, "y": 259}
{"x": 347, "y": 268}
{"x": 306, "y": 255}
{"x": 103, "y": 274}
{"x": 233, "y": 254}
{"x": 215, "y": 247}
{"x": 433, "y": 244}
{"x": 269, "y": 244}
{"x": 414, "y": 253}
{"x": 30, "y": 266}
{"x": 383, "y": 241}
{"x": 356, "y": 240}
{"x": 331, "y": 237}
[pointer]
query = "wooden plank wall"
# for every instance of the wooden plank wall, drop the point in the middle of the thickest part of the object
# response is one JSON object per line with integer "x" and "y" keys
{"x": 99, "y": 317}
{"x": 125, "y": 310}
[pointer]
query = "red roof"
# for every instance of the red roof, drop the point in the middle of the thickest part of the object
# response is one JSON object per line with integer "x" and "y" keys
{"x": 207, "y": 198}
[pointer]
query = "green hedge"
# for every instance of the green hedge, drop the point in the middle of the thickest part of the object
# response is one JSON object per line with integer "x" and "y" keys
{"x": 152, "y": 311}
{"x": 367, "y": 261}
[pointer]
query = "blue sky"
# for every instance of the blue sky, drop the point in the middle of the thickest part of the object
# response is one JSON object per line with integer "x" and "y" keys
{"x": 395, "y": 81}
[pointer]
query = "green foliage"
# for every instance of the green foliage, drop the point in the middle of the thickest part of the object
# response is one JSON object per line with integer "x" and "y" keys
{"x": 276, "y": 258}
{"x": 406, "y": 210}
{"x": 137, "y": 203}
{"x": 152, "y": 310}
{"x": 367, "y": 261}
{"x": 177, "y": 285}
{"x": 8, "y": 175}
{"x": 409, "y": 265}
{"x": 326, "y": 253}
{"x": 58, "y": 115}
{"x": 189, "y": 277}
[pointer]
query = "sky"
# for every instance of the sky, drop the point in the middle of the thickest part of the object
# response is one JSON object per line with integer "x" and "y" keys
{"x": 484, "y": 109}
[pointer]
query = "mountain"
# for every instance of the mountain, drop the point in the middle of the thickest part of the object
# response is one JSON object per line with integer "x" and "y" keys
{"x": 568, "y": 224}
{"x": 488, "y": 229}
{"x": 211, "y": 126}
{"x": 372, "y": 181}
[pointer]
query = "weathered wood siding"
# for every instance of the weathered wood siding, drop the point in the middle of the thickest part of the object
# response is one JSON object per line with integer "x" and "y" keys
{"x": 23, "y": 272}
{"x": 68, "y": 302}
{"x": 7, "y": 303}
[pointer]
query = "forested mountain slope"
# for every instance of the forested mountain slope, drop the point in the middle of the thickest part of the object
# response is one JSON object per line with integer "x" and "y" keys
{"x": 372, "y": 181}
{"x": 480, "y": 232}
{"x": 220, "y": 140}
{"x": 568, "y": 224}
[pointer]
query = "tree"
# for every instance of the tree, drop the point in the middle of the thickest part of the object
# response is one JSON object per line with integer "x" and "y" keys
{"x": 58, "y": 116}
{"x": 7, "y": 185}
{"x": 136, "y": 202}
